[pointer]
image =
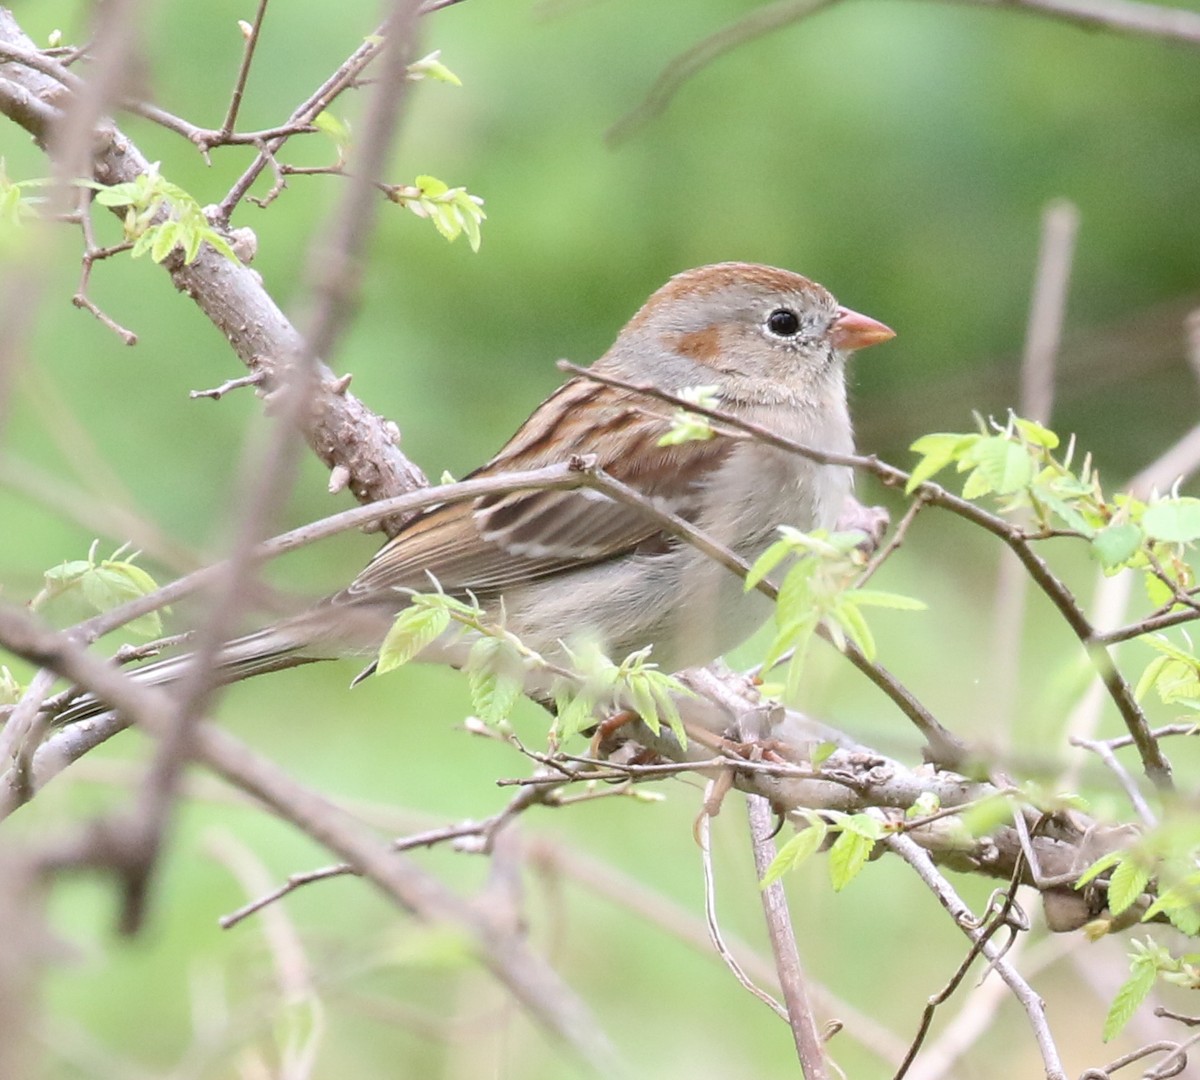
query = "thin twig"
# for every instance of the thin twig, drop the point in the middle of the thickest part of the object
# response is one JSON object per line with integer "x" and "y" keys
{"x": 1104, "y": 752}
{"x": 810, "y": 1047}
{"x": 1033, "y": 1005}
{"x": 703, "y": 832}
{"x": 239, "y": 85}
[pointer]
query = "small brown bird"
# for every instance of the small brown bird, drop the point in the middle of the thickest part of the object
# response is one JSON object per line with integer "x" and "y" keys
{"x": 559, "y": 566}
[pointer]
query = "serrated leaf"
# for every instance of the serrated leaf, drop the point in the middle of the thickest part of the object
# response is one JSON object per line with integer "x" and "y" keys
{"x": 1127, "y": 883}
{"x": 1169, "y": 649}
{"x": 143, "y": 243}
{"x": 937, "y": 451}
{"x": 165, "y": 240}
{"x": 1175, "y": 521}
{"x": 1131, "y": 994}
{"x": 767, "y": 562}
{"x": 116, "y": 195}
{"x": 1150, "y": 676}
{"x": 1185, "y": 919}
{"x": 799, "y": 848}
{"x": 1033, "y": 432}
{"x": 66, "y": 573}
{"x": 847, "y": 857}
{"x": 432, "y": 186}
{"x": 573, "y": 713}
{"x": 1116, "y": 544}
{"x": 1098, "y": 867}
{"x": 493, "y": 681}
{"x": 1005, "y": 465}
{"x": 865, "y": 825}
{"x": 850, "y": 619}
{"x": 415, "y": 627}
{"x": 794, "y": 602}
{"x": 1066, "y": 510}
{"x": 976, "y": 485}
{"x": 495, "y": 696}
{"x": 1158, "y": 592}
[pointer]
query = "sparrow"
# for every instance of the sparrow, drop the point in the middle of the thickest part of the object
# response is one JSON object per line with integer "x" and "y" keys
{"x": 559, "y": 567}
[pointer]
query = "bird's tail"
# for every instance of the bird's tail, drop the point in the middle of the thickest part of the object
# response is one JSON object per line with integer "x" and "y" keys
{"x": 327, "y": 632}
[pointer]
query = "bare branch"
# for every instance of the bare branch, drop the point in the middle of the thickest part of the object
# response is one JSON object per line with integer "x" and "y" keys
{"x": 1032, "y": 1004}
{"x": 810, "y": 1047}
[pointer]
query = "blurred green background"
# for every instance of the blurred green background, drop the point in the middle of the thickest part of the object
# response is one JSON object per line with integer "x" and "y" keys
{"x": 901, "y": 154}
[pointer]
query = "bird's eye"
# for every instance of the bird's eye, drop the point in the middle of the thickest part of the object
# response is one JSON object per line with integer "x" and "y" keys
{"x": 783, "y": 322}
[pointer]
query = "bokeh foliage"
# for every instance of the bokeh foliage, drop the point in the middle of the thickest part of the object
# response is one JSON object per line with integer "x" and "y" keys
{"x": 900, "y": 153}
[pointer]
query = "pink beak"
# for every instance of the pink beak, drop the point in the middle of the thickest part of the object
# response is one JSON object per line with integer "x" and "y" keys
{"x": 854, "y": 331}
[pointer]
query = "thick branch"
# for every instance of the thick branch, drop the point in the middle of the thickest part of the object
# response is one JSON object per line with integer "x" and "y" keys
{"x": 341, "y": 430}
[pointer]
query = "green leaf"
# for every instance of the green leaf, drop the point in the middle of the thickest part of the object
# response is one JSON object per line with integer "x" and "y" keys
{"x": 1065, "y": 509}
{"x": 1127, "y": 883}
{"x": 165, "y": 240}
{"x": 1150, "y": 676}
{"x": 767, "y": 562}
{"x": 847, "y": 857}
{"x": 430, "y": 67}
{"x": 335, "y": 129}
{"x": 1004, "y": 465}
{"x": 431, "y": 186}
{"x": 1158, "y": 592}
{"x": 1116, "y": 544}
{"x": 65, "y": 574}
{"x": 1175, "y": 521}
{"x": 799, "y": 848}
{"x": 494, "y": 680}
{"x": 1098, "y": 867}
{"x": 864, "y": 825}
{"x": 1033, "y": 432}
{"x": 794, "y": 602}
{"x": 820, "y": 754}
{"x": 416, "y": 626}
{"x": 850, "y": 619}
{"x": 1131, "y": 994}
{"x": 573, "y": 712}
{"x": 937, "y": 451}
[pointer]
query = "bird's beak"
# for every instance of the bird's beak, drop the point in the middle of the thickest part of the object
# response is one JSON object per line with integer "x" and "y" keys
{"x": 854, "y": 331}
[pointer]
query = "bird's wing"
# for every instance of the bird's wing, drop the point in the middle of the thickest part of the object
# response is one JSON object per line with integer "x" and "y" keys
{"x": 497, "y": 542}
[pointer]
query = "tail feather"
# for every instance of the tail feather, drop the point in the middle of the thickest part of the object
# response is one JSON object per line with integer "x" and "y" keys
{"x": 273, "y": 649}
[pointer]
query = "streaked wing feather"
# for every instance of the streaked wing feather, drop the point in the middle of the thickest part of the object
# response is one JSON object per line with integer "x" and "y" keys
{"x": 502, "y": 541}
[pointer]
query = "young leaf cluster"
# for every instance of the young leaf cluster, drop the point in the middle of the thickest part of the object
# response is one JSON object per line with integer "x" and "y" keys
{"x": 497, "y": 663}
{"x": 1165, "y": 862}
{"x": 151, "y": 196}
{"x": 1149, "y": 962}
{"x": 453, "y": 211}
{"x": 1174, "y": 674}
{"x": 855, "y": 837}
{"x": 93, "y": 586}
{"x": 17, "y": 204}
{"x": 689, "y": 426}
{"x": 1016, "y": 465}
{"x": 636, "y": 684}
{"x": 819, "y": 589}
